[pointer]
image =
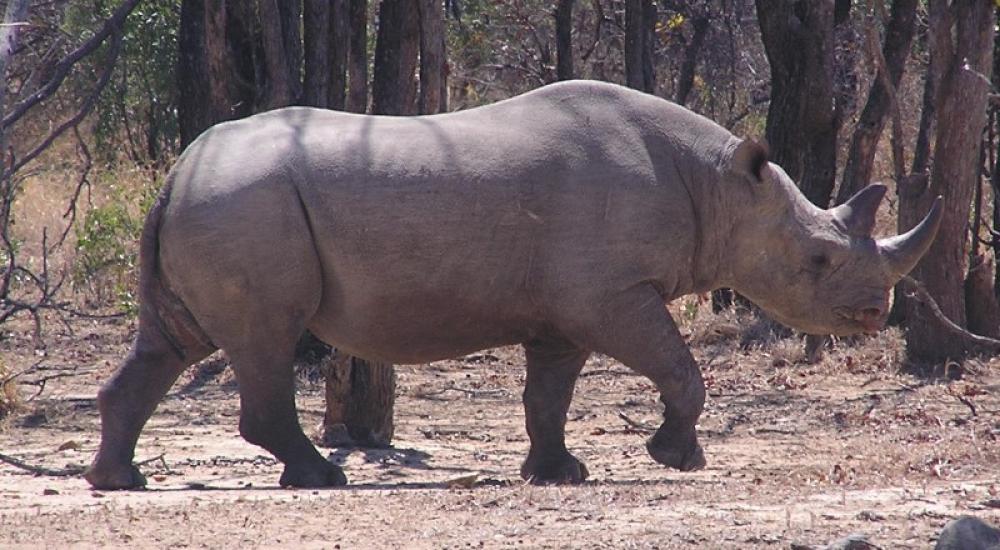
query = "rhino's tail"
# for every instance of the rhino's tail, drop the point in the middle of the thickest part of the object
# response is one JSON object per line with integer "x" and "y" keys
{"x": 160, "y": 308}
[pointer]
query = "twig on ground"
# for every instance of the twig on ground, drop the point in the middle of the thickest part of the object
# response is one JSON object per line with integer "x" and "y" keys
{"x": 11, "y": 377}
{"x": 41, "y": 470}
{"x": 158, "y": 458}
{"x": 964, "y": 400}
{"x": 474, "y": 393}
{"x": 45, "y": 379}
{"x": 636, "y": 424}
{"x": 600, "y": 372}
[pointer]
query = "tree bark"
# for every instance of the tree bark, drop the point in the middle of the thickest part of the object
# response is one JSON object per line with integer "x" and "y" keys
{"x": 861, "y": 155}
{"x": 278, "y": 89}
{"x": 564, "y": 39}
{"x": 291, "y": 37}
{"x": 339, "y": 41}
{"x": 982, "y": 308}
{"x": 640, "y": 19}
{"x": 245, "y": 50}
{"x": 801, "y": 119}
{"x": 14, "y": 17}
{"x": 685, "y": 80}
{"x": 648, "y": 46}
{"x": 961, "y": 38}
{"x": 432, "y": 55}
{"x": 204, "y": 72}
{"x": 316, "y": 38}
{"x": 394, "y": 87}
{"x": 357, "y": 68}
{"x": 359, "y": 402}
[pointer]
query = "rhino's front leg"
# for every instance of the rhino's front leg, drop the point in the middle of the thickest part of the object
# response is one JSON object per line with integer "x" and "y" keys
{"x": 553, "y": 366}
{"x": 637, "y": 330}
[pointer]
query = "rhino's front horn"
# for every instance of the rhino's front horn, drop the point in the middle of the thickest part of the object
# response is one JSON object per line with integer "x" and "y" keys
{"x": 857, "y": 215}
{"x": 902, "y": 252}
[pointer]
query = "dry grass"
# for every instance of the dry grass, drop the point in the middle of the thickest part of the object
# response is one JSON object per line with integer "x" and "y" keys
{"x": 8, "y": 391}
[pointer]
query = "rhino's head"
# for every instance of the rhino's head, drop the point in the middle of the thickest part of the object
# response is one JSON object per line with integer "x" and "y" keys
{"x": 819, "y": 271}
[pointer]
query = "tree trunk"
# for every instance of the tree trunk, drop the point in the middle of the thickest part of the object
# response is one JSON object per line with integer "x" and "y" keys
{"x": 685, "y": 80}
{"x": 192, "y": 72}
{"x": 432, "y": 55}
{"x": 357, "y": 95}
{"x": 291, "y": 37}
{"x": 960, "y": 104}
{"x": 244, "y": 48}
{"x": 995, "y": 174}
{"x": 982, "y": 308}
{"x": 394, "y": 88}
{"x": 640, "y": 20}
{"x": 564, "y": 39}
{"x": 359, "y": 402}
{"x": 861, "y": 155}
{"x": 278, "y": 89}
{"x": 649, "y": 14}
{"x": 316, "y": 37}
{"x": 801, "y": 118}
{"x": 204, "y": 72}
{"x": 339, "y": 43}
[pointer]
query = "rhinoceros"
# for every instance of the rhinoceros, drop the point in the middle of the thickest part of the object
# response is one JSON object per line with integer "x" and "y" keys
{"x": 562, "y": 220}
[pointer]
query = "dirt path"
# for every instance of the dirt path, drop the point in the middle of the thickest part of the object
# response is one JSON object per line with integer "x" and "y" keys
{"x": 797, "y": 454}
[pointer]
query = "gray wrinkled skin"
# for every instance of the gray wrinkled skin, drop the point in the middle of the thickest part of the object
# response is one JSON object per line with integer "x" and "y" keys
{"x": 562, "y": 220}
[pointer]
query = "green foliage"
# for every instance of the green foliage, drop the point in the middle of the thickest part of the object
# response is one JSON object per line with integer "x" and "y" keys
{"x": 137, "y": 113}
{"x": 106, "y": 265}
{"x": 689, "y": 310}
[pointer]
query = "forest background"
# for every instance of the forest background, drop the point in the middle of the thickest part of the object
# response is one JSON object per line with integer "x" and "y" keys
{"x": 99, "y": 97}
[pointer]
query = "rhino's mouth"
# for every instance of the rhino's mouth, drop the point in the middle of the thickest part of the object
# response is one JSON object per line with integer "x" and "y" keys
{"x": 869, "y": 320}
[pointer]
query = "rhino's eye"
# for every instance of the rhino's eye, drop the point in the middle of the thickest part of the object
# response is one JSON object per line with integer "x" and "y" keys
{"x": 819, "y": 261}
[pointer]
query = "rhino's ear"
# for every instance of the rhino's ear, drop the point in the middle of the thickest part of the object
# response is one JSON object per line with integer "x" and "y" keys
{"x": 857, "y": 215}
{"x": 749, "y": 159}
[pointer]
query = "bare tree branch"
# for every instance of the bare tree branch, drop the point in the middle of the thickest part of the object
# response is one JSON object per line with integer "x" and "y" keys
{"x": 61, "y": 69}
{"x": 44, "y": 284}
{"x": 85, "y": 107}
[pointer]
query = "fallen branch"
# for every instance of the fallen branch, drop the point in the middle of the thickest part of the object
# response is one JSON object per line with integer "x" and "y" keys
{"x": 635, "y": 423}
{"x": 973, "y": 343}
{"x": 41, "y": 470}
{"x": 11, "y": 377}
{"x": 474, "y": 393}
{"x": 41, "y": 382}
{"x": 964, "y": 400}
{"x": 158, "y": 458}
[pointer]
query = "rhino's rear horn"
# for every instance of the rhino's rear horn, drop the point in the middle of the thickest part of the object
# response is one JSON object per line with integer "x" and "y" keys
{"x": 857, "y": 215}
{"x": 902, "y": 252}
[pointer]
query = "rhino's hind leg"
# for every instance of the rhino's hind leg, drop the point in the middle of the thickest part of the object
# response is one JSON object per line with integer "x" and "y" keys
{"x": 553, "y": 366}
{"x": 268, "y": 417}
{"x": 128, "y": 399}
{"x": 637, "y": 330}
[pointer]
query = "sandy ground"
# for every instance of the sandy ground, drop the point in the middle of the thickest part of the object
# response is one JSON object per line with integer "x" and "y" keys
{"x": 797, "y": 454}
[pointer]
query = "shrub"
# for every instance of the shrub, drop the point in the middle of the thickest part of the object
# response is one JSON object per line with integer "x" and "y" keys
{"x": 107, "y": 248}
{"x": 8, "y": 391}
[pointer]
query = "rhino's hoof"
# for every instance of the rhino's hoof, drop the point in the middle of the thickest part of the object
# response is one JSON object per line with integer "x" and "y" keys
{"x": 320, "y": 474}
{"x": 111, "y": 479}
{"x": 684, "y": 459}
{"x": 553, "y": 470}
